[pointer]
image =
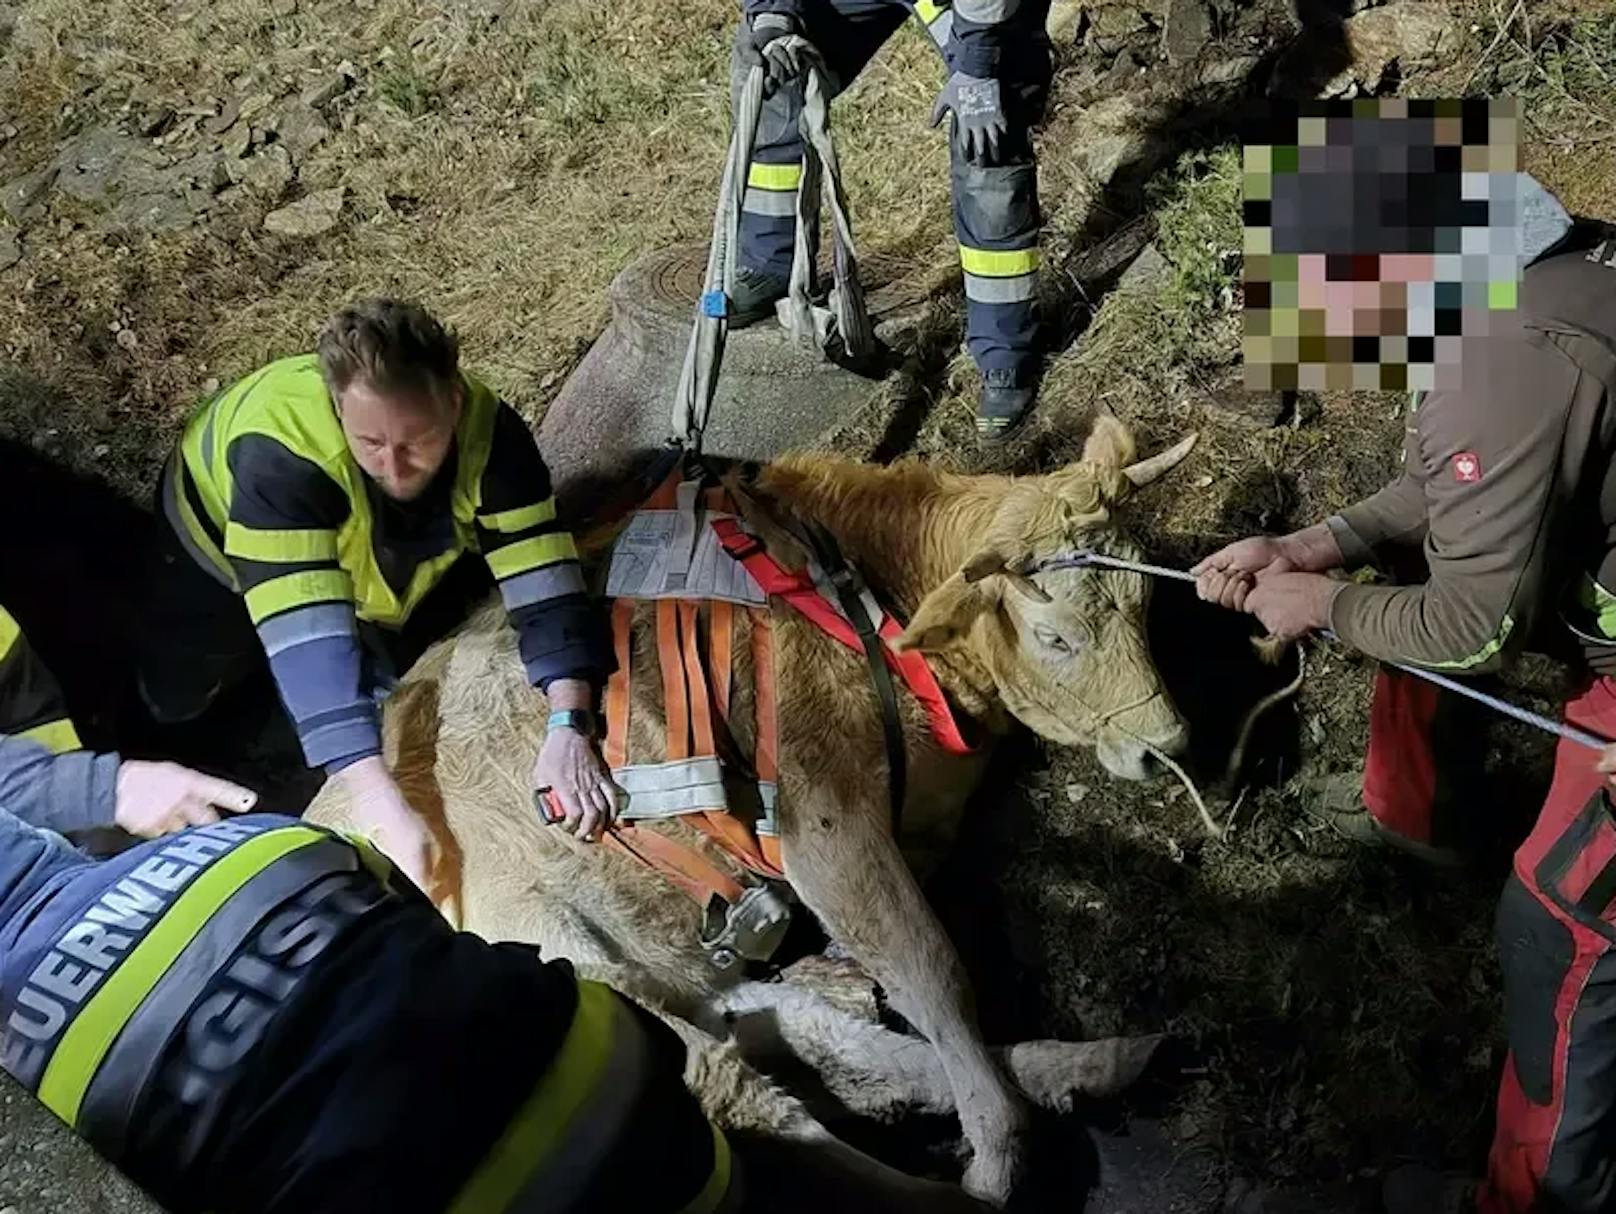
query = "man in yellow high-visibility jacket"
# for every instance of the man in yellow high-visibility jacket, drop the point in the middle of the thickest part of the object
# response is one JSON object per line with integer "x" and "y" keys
{"x": 339, "y": 512}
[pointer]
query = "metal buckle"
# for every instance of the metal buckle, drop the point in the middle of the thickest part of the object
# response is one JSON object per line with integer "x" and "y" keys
{"x": 750, "y": 930}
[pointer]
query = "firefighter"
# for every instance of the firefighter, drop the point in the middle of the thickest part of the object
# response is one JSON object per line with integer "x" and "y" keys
{"x": 337, "y": 512}
{"x": 260, "y": 1017}
{"x": 999, "y": 62}
{"x": 90, "y": 791}
{"x": 1508, "y": 490}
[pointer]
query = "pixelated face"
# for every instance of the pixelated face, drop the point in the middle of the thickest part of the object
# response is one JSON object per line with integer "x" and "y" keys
{"x": 1377, "y": 233}
{"x": 399, "y": 441}
{"x": 1361, "y": 296}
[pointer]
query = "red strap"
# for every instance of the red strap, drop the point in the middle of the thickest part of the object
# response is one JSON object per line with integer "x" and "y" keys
{"x": 799, "y": 591}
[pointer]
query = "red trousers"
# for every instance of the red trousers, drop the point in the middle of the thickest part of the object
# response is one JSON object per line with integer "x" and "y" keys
{"x": 1554, "y": 1145}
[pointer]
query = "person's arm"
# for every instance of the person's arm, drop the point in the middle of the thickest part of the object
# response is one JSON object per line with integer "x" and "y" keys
{"x": 786, "y": 8}
{"x": 984, "y": 36}
{"x": 281, "y": 539}
{"x": 31, "y": 703}
{"x": 562, "y": 633}
{"x": 1396, "y": 515}
{"x": 74, "y": 791}
{"x": 1491, "y": 462}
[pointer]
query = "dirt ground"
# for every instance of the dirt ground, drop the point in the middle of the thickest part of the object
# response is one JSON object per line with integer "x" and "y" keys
{"x": 503, "y": 160}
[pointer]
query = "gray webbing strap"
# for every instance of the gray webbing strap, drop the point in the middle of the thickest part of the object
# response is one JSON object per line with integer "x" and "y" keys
{"x": 847, "y": 316}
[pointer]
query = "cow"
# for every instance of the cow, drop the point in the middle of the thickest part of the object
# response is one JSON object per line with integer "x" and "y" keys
{"x": 1062, "y": 651}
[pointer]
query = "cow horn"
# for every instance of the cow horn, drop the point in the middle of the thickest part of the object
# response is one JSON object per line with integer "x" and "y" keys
{"x": 1145, "y": 471}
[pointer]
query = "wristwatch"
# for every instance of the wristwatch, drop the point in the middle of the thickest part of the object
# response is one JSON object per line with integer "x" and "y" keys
{"x": 580, "y": 719}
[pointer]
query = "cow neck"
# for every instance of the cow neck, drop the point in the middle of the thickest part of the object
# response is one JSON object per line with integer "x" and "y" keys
{"x": 909, "y": 529}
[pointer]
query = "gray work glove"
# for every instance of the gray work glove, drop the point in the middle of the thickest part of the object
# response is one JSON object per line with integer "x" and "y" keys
{"x": 978, "y": 108}
{"x": 766, "y": 43}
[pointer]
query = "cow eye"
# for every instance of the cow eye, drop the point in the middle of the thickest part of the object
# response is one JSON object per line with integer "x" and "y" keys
{"x": 1050, "y": 639}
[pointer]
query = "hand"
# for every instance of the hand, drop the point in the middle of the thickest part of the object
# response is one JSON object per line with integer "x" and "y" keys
{"x": 1291, "y": 605}
{"x": 159, "y": 798}
{"x": 571, "y": 767}
{"x": 768, "y": 42}
{"x": 979, "y": 122}
{"x": 1228, "y": 575}
{"x": 383, "y": 816}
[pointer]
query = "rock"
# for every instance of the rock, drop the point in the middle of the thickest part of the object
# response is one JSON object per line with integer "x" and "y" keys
{"x": 237, "y": 141}
{"x": 1116, "y": 131}
{"x": 268, "y": 173}
{"x": 301, "y": 130}
{"x": 254, "y": 106}
{"x": 1113, "y": 26}
{"x": 8, "y": 132}
{"x": 311, "y": 216}
{"x": 1187, "y": 32}
{"x": 283, "y": 8}
{"x": 1412, "y": 34}
{"x": 1065, "y": 21}
{"x": 157, "y": 212}
{"x": 104, "y": 163}
{"x": 323, "y": 92}
{"x": 224, "y": 119}
{"x": 1124, "y": 69}
{"x": 10, "y": 250}
{"x": 1149, "y": 272}
{"x": 23, "y": 198}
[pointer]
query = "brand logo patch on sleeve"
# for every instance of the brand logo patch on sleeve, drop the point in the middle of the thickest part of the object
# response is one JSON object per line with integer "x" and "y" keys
{"x": 1467, "y": 467}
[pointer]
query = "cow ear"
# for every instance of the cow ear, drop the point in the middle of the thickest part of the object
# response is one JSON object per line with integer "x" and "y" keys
{"x": 1110, "y": 444}
{"x": 945, "y": 615}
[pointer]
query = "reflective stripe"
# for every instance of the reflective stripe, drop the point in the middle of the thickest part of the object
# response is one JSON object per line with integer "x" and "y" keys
{"x": 774, "y": 204}
{"x": 319, "y": 623}
{"x": 297, "y": 590}
{"x": 1482, "y": 654}
{"x": 107, "y": 1113}
{"x": 96, "y": 1027}
{"x": 58, "y": 737}
{"x": 774, "y": 176}
{"x": 193, "y": 536}
{"x": 9, "y": 632}
{"x": 513, "y": 1177}
{"x": 521, "y": 518}
{"x": 1594, "y": 598}
{"x": 531, "y": 553}
{"x": 666, "y": 790}
{"x": 252, "y": 544}
{"x": 1001, "y": 290}
{"x": 998, "y": 263}
{"x": 987, "y": 12}
{"x": 928, "y": 10}
{"x": 537, "y": 585}
{"x": 717, "y": 1186}
{"x": 942, "y": 28}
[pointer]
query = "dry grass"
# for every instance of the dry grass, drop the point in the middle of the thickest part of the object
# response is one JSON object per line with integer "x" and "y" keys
{"x": 504, "y": 161}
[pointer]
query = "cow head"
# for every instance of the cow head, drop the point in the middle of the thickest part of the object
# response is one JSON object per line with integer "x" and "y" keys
{"x": 1065, "y": 647}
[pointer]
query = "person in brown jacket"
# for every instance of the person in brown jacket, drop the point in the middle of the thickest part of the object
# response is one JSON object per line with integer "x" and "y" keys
{"x": 1508, "y": 490}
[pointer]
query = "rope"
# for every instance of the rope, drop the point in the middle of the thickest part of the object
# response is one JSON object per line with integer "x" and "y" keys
{"x": 1570, "y": 733}
{"x": 846, "y": 318}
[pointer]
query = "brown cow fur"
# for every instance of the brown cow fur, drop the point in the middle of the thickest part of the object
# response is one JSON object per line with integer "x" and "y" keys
{"x": 462, "y": 730}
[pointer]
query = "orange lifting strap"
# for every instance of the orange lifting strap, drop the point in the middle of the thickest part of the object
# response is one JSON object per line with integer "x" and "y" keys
{"x": 695, "y": 689}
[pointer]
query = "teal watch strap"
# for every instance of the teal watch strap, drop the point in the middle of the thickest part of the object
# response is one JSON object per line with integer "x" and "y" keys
{"x": 580, "y": 719}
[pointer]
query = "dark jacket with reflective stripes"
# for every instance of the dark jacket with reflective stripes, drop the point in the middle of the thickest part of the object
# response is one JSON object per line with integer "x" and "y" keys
{"x": 267, "y": 497}
{"x": 73, "y": 793}
{"x": 244, "y": 1018}
{"x": 1509, "y": 483}
{"x": 987, "y": 38}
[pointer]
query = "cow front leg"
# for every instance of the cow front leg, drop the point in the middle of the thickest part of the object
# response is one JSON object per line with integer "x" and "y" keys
{"x": 846, "y": 868}
{"x": 871, "y": 1071}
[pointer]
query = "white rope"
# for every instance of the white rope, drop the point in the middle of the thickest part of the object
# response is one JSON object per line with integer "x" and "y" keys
{"x": 847, "y": 317}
